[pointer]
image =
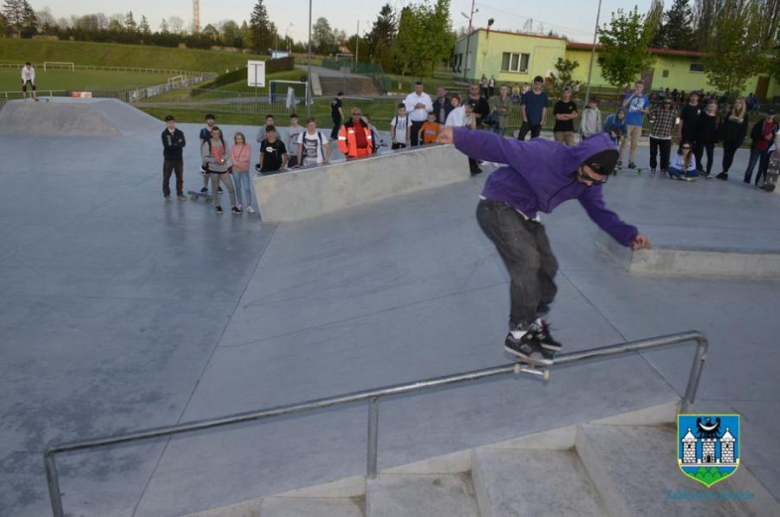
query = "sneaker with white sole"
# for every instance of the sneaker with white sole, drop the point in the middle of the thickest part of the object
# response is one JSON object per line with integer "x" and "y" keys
{"x": 524, "y": 344}
{"x": 250, "y": 210}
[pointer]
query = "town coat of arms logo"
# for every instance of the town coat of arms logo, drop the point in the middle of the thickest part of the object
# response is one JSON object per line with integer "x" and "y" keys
{"x": 708, "y": 446}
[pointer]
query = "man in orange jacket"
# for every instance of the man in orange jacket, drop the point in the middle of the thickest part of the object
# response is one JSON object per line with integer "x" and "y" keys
{"x": 355, "y": 137}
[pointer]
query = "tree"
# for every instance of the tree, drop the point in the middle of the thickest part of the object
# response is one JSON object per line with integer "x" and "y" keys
{"x": 322, "y": 39}
{"x": 231, "y": 34}
{"x": 625, "y": 40}
{"x": 381, "y": 38}
{"x": 176, "y": 25}
{"x": 14, "y": 15}
{"x": 562, "y": 76}
{"x": 143, "y": 26}
{"x": 407, "y": 44}
{"x": 130, "y": 24}
{"x": 704, "y": 12}
{"x": 383, "y": 31}
{"x": 677, "y": 30}
{"x": 262, "y": 29}
{"x": 46, "y": 21}
{"x": 736, "y": 50}
{"x": 30, "y": 19}
{"x": 164, "y": 27}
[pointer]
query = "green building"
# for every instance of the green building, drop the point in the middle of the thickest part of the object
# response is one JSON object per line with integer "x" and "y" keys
{"x": 518, "y": 58}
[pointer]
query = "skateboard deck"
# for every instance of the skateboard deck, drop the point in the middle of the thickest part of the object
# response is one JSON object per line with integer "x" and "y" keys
{"x": 771, "y": 181}
{"x": 194, "y": 195}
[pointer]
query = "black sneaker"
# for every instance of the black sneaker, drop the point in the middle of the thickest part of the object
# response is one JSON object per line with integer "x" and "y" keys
{"x": 219, "y": 209}
{"x": 204, "y": 190}
{"x": 526, "y": 348}
{"x": 546, "y": 340}
{"x": 219, "y": 190}
{"x": 723, "y": 176}
{"x": 632, "y": 165}
{"x": 236, "y": 210}
{"x": 652, "y": 171}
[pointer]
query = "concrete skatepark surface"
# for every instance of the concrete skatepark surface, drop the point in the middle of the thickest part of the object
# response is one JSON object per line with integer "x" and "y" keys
{"x": 122, "y": 312}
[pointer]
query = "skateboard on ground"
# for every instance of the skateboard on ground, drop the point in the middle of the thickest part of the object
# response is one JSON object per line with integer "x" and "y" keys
{"x": 543, "y": 370}
{"x": 195, "y": 195}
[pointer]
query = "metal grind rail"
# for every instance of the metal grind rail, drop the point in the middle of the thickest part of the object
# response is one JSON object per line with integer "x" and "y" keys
{"x": 373, "y": 396}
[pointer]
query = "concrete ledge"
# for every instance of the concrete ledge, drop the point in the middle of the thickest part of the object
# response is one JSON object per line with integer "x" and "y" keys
{"x": 305, "y": 193}
{"x": 682, "y": 261}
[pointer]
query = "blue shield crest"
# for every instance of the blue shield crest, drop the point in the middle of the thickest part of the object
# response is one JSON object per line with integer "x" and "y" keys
{"x": 708, "y": 446}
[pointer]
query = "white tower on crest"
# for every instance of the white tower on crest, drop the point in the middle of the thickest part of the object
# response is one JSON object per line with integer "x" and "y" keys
{"x": 196, "y": 16}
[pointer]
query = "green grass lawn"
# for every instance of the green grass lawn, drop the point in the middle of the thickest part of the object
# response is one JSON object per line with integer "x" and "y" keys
{"x": 10, "y": 79}
{"x": 114, "y": 54}
{"x": 288, "y": 75}
{"x": 381, "y": 111}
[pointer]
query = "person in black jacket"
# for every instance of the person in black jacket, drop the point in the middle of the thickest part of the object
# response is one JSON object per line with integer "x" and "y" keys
{"x": 173, "y": 143}
{"x": 706, "y": 136}
{"x": 733, "y": 130}
{"x": 689, "y": 117}
{"x": 761, "y": 136}
{"x": 442, "y": 105}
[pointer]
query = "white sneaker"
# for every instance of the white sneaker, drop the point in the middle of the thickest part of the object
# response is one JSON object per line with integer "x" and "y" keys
{"x": 240, "y": 207}
{"x": 250, "y": 210}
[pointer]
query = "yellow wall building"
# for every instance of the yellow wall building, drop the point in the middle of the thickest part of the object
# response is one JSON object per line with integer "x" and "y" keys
{"x": 518, "y": 58}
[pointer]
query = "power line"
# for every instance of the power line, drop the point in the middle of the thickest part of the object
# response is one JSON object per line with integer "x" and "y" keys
{"x": 571, "y": 29}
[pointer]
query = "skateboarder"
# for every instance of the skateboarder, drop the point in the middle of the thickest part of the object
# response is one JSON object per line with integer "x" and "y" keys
{"x": 28, "y": 79}
{"x": 539, "y": 176}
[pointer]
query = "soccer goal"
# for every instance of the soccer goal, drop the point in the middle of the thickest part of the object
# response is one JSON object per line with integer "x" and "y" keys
{"x": 279, "y": 90}
{"x": 48, "y": 65}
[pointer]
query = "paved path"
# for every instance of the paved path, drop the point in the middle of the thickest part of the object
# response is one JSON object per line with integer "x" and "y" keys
{"x": 121, "y": 312}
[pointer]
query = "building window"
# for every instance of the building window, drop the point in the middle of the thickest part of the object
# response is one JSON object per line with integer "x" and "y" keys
{"x": 665, "y": 73}
{"x": 511, "y": 62}
{"x": 697, "y": 67}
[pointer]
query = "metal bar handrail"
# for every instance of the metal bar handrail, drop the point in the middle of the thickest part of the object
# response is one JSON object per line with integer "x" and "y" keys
{"x": 373, "y": 396}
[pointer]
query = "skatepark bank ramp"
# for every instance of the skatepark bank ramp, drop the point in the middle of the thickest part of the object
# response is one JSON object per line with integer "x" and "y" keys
{"x": 75, "y": 117}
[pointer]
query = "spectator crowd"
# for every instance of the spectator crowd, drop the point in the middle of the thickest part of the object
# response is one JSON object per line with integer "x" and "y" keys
{"x": 704, "y": 121}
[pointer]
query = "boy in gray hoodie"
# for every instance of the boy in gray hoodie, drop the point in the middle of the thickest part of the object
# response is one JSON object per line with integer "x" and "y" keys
{"x": 591, "y": 119}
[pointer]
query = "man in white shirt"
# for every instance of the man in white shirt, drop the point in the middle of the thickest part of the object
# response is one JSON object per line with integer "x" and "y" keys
{"x": 28, "y": 78}
{"x": 418, "y": 105}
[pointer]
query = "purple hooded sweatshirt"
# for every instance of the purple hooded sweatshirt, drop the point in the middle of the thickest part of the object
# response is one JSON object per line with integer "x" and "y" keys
{"x": 541, "y": 175}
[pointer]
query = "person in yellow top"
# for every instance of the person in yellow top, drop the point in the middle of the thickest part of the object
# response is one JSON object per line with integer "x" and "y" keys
{"x": 429, "y": 130}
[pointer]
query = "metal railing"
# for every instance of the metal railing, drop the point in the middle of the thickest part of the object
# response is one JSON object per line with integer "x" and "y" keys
{"x": 373, "y": 396}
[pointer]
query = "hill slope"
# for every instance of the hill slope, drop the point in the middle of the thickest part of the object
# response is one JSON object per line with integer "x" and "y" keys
{"x": 114, "y": 54}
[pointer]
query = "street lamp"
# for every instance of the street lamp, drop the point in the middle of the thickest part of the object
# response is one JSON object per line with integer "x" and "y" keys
{"x": 287, "y": 35}
{"x": 468, "y": 37}
{"x": 592, "y": 54}
{"x": 308, "y": 78}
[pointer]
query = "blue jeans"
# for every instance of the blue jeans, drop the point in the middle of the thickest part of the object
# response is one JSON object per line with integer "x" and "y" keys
{"x": 756, "y": 157}
{"x": 243, "y": 186}
{"x": 674, "y": 171}
{"x": 500, "y": 131}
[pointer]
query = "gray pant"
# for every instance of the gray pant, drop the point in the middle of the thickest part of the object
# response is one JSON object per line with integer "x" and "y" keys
{"x": 525, "y": 249}
{"x": 215, "y": 180}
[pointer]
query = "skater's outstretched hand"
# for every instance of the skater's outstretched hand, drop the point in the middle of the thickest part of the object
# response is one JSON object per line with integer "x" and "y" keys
{"x": 445, "y": 137}
{"x": 641, "y": 242}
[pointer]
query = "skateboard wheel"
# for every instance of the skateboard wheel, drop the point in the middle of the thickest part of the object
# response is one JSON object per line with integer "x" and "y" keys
{"x": 546, "y": 375}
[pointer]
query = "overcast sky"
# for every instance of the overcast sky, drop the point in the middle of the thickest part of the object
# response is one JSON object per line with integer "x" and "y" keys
{"x": 574, "y": 18}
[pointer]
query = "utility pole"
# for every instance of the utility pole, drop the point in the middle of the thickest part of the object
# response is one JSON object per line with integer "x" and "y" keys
{"x": 357, "y": 45}
{"x": 468, "y": 40}
{"x": 308, "y": 78}
{"x": 592, "y": 54}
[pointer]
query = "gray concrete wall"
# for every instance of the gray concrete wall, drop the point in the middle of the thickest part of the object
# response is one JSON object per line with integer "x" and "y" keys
{"x": 312, "y": 192}
{"x": 691, "y": 261}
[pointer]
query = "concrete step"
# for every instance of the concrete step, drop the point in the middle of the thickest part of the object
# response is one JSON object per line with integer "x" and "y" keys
{"x": 533, "y": 482}
{"x": 312, "y": 507}
{"x": 401, "y": 495}
{"x": 635, "y": 470}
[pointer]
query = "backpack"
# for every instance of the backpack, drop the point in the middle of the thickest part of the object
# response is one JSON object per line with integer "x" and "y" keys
{"x": 320, "y": 140}
{"x": 397, "y": 120}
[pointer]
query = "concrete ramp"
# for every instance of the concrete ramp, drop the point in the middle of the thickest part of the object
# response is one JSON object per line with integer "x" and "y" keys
{"x": 75, "y": 117}
{"x": 306, "y": 193}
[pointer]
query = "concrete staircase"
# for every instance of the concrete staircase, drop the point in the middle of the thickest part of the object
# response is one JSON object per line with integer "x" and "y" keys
{"x": 618, "y": 467}
{"x": 351, "y": 86}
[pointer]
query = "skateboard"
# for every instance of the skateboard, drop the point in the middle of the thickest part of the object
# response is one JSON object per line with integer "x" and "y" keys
{"x": 542, "y": 370}
{"x": 771, "y": 180}
{"x": 194, "y": 196}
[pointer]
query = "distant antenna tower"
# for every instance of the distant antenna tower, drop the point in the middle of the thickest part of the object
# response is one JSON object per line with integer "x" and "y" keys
{"x": 529, "y": 25}
{"x": 196, "y": 16}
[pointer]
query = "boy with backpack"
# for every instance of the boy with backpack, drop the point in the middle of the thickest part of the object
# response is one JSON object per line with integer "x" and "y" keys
{"x": 313, "y": 146}
{"x": 400, "y": 128}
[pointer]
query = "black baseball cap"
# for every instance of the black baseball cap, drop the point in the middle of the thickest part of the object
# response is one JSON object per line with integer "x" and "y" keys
{"x": 604, "y": 162}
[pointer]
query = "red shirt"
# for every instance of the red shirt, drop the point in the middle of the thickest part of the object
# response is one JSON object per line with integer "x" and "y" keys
{"x": 768, "y": 129}
{"x": 360, "y": 135}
